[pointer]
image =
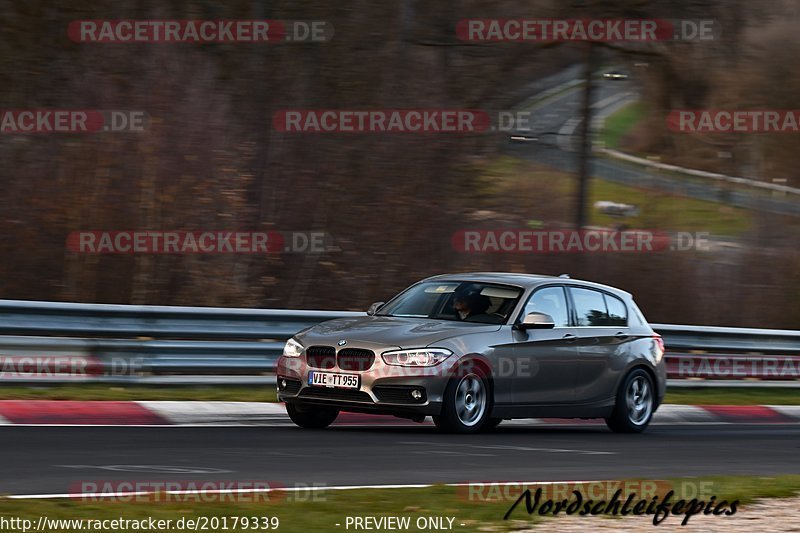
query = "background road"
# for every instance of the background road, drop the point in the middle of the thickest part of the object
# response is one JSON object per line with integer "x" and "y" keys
{"x": 556, "y": 123}
{"x": 50, "y": 459}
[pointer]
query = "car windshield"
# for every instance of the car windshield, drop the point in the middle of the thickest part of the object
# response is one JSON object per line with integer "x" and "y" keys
{"x": 464, "y": 301}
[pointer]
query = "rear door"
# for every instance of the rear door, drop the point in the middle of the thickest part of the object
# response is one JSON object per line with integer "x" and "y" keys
{"x": 546, "y": 359}
{"x": 603, "y": 339}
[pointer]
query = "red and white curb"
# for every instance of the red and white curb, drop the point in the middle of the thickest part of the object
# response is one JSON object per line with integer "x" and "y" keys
{"x": 199, "y": 413}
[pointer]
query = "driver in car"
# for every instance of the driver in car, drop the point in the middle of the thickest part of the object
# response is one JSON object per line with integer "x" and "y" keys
{"x": 470, "y": 303}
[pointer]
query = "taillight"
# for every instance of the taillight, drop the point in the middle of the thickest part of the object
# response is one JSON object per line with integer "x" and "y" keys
{"x": 660, "y": 343}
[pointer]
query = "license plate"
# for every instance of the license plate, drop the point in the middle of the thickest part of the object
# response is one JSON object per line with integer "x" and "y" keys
{"x": 329, "y": 379}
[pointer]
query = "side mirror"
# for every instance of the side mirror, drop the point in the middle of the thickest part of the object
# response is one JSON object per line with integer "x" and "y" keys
{"x": 374, "y": 308}
{"x": 536, "y": 321}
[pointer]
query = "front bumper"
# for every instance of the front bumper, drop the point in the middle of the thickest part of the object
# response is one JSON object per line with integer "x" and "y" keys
{"x": 382, "y": 388}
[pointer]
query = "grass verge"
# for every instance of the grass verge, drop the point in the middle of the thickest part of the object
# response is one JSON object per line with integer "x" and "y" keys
{"x": 733, "y": 396}
{"x": 322, "y": 511}
{"x": 620, "y": 122}
{"x": 98, "y": 391}
{"x": 529, "y": 189}
{"x": 669, "y": 213}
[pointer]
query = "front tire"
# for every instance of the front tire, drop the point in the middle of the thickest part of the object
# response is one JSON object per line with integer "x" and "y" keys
{"x": 635, "y": 403}
{"x": 467, "y": 403}
{"x": 311, "y": 417}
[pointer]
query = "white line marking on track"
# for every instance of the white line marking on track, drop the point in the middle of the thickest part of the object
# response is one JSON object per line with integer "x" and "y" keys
{"x": 151, "y": 469}
{"x": 511, "y": 448}
{"x": 279, "y": 489}
{"x": 452, "y": 453}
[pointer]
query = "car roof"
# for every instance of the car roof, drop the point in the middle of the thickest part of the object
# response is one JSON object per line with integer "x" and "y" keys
{"x": 521, "y": 280}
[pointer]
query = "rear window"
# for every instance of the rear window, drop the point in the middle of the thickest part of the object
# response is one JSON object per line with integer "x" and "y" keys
{"x": 595, "y": 308}
{"x": 617, "y": 312}
{"x": 637, "y": 315}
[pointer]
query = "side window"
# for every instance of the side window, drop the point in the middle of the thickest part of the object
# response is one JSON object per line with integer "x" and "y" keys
{"x": 590, "y": 306}
{"x": 617, "y": 312}
{"x": 550, "y": 301}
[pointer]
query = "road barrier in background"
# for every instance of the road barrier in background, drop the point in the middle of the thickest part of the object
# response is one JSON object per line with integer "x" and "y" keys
{"x": 55, "y": 342}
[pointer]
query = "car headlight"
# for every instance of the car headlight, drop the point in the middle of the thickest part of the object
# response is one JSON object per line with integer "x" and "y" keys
{"x": 292, "y": 348}
{"x": 421, "y": 357}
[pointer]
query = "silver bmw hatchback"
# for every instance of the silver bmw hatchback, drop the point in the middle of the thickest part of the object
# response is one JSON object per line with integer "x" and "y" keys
{"x": 472, "y": 350}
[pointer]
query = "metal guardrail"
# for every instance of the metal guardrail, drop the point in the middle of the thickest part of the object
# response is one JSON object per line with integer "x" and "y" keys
{"x": 736, "y": 180}
{"x": 57, "y": 342}
{"x": 22, "y": 317}
{"x": 710, "y": 356}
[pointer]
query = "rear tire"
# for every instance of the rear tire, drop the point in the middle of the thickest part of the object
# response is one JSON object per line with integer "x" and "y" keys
{"x": 467, "y": 403}
{"x": 635, "y": 403}
{"x": 491, "y": 425}
{"x": 311, "y": 417}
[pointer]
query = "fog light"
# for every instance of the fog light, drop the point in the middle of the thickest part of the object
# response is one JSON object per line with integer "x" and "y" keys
{"x": 416, "y": 394}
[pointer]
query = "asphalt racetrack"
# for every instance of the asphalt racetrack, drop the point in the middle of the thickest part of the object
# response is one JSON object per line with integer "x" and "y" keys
{"x": 51, "y": 460}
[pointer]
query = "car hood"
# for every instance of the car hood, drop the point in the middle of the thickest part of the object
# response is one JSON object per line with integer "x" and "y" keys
{"x": 389, "y": 331}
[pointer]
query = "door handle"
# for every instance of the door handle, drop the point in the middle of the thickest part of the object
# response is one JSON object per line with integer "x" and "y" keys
{"x": 621, "y": 335}
{"x": 569, "y": 337}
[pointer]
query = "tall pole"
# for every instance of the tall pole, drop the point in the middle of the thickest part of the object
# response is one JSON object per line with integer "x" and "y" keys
{"x": 586, "y": 140}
